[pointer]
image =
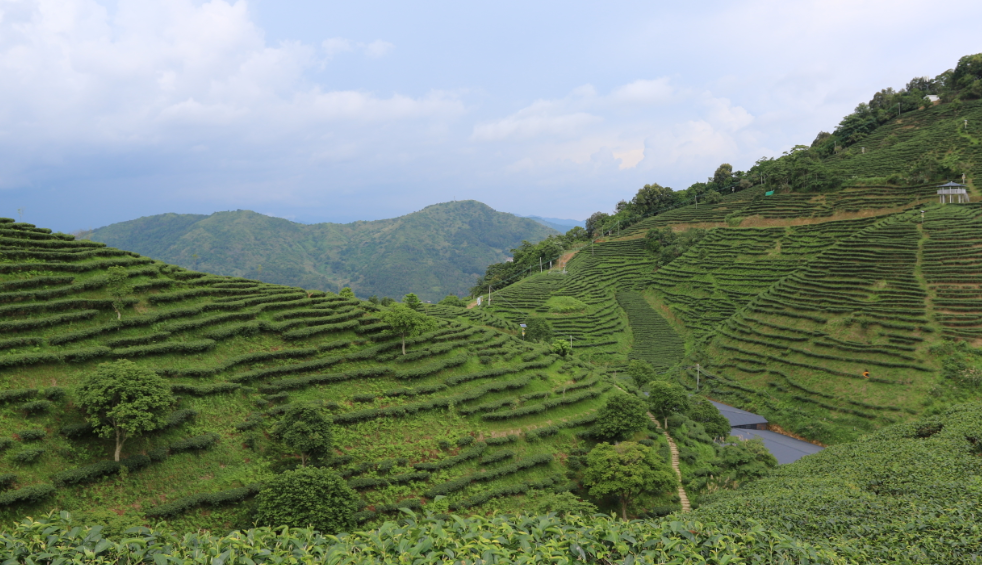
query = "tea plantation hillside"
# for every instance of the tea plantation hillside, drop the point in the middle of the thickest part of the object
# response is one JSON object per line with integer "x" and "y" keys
{"x": 470, "y": 413}
{"x": 785, "y": 319}
{"x": 433, "y": 252}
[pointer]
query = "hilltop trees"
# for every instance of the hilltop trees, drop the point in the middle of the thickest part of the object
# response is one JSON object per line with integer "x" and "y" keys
{"x": 626, "y": 470}
{"x": 723, "y": 176}
{"x": 528, "y": 257}
{"x": 407, "y": 322}
{"x": 305, "y": 430}
{"x": 123, "y": 400}
{"x": 308, "y": 497}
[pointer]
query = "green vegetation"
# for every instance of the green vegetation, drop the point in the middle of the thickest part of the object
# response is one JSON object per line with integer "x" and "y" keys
{"x": 627, "y": 470}
{"x": 308, "y": 497}
{"x": 431, "y": 540}
{"x": 256, "y": 371}
{"x": 306, "y": 431}
{"x": 564, "y": 305}
{"x": 383, "y": 257}
{"x": 912, "y": 490}
{"x": 123, "y": 400}
{"x": 622, "y": 416}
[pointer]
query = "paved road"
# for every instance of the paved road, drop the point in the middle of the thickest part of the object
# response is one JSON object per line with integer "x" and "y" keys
{"x": 785, "y": 449}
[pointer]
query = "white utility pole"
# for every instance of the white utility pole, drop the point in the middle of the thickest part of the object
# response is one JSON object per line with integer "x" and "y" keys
{"x": 540, "y": 264}
{"x": 489, "y": 295}
{"x": 697, "y": 377}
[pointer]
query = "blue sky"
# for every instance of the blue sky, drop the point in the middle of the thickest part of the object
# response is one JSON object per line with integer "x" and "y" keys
{"x": 342, "y": 111}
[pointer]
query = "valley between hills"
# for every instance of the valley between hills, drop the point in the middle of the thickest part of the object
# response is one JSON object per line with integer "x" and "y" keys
{"x": 827, "y": 290}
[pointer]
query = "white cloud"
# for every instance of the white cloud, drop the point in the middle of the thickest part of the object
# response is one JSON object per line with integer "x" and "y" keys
{"x": 644, "y": 92}
{"x": 180, "y": 74}
{"x": 534, "y": 121}
{"x": 378, "y": 48}
{"x": 335, "y": 45}
{"x": 647, "y": 124}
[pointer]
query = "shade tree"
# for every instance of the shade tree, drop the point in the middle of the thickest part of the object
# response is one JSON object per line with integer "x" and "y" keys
{"x": 626, "y": 470}
{"x": 665, "y": 399}
{"x": 123, "y": 400}
{"x": 623, "y": 415}
{"x": 305, "y": 430}
{"x": 406, "y": 322}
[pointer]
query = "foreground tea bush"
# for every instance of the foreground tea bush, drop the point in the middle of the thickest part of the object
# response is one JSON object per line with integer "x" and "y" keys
{"x": 522, "y": 539}
{"x": 909, "y": 493}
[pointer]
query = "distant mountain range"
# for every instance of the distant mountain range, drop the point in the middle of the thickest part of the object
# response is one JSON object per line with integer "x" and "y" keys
{"x": 557, "y": 224}
{"x": 440, "y": 250}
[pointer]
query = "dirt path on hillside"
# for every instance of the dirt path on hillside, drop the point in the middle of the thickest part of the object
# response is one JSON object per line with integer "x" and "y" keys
{"x": 674, "y": 450}
{"x": 686, "y": 507}
{"x": 561, "y": 262}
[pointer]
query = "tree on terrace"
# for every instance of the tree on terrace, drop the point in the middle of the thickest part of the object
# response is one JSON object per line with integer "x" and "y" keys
{"x": 537, "y": 329}
{"x": 623, "y": 415}
{"x": 123, "y": 400}
{"x": 305, "y": 430}
{"x": 407, "y": 322}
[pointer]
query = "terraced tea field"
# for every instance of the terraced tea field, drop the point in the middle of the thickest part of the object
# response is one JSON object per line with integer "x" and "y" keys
{"x": 786, "y": 320}
{"x": 751, "y": 204}
{"x": 453, "y": 417}
{"x": 871, "y": 301}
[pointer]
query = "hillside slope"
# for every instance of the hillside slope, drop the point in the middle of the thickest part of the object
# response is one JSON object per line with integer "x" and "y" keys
{"x": 437, "y": 251}
{"x": 453, "y": 417}
{"x": 785, "y": 319}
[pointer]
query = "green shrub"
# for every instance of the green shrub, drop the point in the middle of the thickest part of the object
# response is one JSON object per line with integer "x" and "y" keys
{"x": 28, "y": 455}
{"x": 181, "y": 505}
{"x": 37, "y": 407}
{"x": 308, "y": 497}
{"x": 35, "y": 434}
{"x": 7, "y": 480}
{"x": 17, "y": 394}
{"x": 26, "y": 495}
{"x": 75, "y": 431}
{"x": 178, "y": 417}
{"x": 94, "y": 472}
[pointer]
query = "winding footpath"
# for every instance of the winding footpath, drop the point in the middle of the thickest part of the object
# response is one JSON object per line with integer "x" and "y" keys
{"x": 686, "y": 507}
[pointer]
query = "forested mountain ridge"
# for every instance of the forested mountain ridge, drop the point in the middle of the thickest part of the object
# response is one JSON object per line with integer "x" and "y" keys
{"x": 437, "y": 251}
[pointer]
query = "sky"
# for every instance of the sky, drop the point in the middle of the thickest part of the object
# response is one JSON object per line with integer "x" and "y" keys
{"x": 340, "y": 111}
